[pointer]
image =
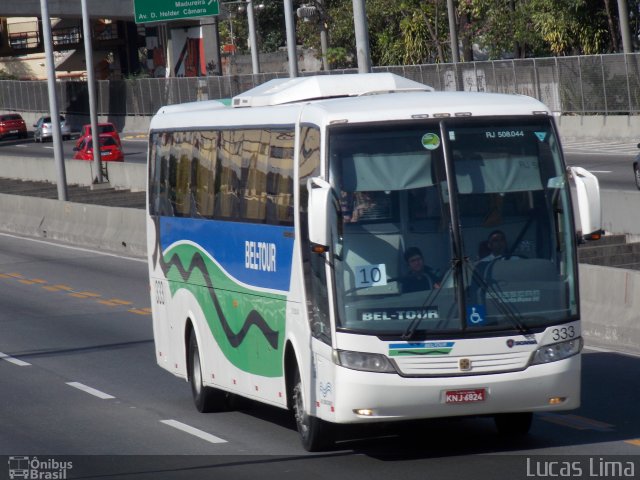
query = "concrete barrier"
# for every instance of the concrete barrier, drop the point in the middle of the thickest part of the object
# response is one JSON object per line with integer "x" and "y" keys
{"x": 610, "y": 305}
{"x": 599, "y": 127}
{"x": 621, "y": 210}
{"x": 132, "y": 176}
{"x": 113, "y": 229}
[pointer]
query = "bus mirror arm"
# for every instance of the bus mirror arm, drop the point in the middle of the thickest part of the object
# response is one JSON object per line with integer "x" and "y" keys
{"x": 321, "y": 212}
{"x": 587, "y": 200}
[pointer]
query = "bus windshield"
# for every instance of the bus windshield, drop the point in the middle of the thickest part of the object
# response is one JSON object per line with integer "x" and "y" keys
{"x": 397, "y": 269}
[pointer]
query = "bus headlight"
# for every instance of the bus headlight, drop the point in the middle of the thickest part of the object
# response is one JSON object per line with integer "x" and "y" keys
{"x": 557, "y": 351}
{"x": 367, "y": 362}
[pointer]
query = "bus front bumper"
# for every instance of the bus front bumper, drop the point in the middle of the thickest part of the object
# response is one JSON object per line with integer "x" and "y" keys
{"x": 362, "y": 397}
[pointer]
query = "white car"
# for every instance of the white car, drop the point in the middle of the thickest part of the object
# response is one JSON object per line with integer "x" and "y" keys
{"x": 44, "y": 130}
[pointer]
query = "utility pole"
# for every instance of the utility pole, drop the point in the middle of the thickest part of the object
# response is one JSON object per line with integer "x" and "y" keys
{"x": 292, "y": 51}
{"x": 253, "y": 39}
{"x": 453, "y": 33}
{"x": 91, "y": 83}
{"x": 623, "y": 14}
{"x": 362, "y": 36}
{"x": 58, "y": 154}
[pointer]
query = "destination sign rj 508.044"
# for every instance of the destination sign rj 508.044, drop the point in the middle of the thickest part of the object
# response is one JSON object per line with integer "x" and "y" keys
{"x": 147, "y": 11}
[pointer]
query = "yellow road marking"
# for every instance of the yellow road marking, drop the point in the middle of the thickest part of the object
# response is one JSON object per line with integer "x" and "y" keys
{"x": 635, "y": 441}
{"x": 114, "y": 302}
{"x": 85, "y": 294}
{"x": 57, "y": 288}
{"x": 32, "y": 281}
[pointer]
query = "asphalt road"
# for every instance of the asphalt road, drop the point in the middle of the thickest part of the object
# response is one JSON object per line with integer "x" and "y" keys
{"x": 79, "y": 382}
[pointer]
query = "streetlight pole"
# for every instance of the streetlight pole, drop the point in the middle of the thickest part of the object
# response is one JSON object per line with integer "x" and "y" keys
{"x": 623, "y": 14}
{"x": 88, "y": 55}
{"x": 253, "y": 40}
{"x": 453, "y": 34}
{"x": 362, "y": 36}
{"x": 292, "y": 51}
{"x": 58, "y": 154}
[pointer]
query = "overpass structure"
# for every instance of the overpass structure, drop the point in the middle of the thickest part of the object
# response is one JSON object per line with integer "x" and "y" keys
{"x": 185, "y": 48}
{"x": 113, "y": 30}
{"x": 114, "y": 9}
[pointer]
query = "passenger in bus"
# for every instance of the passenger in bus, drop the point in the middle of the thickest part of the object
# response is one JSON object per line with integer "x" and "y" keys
{"x": 420, "y": 276}
{"x": 497, "y": 246}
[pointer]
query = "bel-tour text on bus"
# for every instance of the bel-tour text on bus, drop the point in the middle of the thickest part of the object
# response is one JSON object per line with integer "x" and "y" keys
{"x": 398, "y": 313}
{"x": 260, "y": 256}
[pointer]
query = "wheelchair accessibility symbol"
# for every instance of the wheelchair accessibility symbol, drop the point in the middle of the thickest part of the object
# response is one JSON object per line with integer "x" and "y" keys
{"x": 476, "y": 315}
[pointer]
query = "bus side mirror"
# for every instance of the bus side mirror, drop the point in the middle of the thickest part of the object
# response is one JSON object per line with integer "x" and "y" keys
{"x": 587, "y": 196}
{"x": 320, "y": 208}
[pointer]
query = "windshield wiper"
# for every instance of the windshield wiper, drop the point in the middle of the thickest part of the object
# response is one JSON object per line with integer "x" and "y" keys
{"x": 513, "y": 316}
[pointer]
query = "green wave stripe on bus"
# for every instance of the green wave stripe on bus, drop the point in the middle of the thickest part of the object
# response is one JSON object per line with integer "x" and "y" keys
{"x": 247, "y": 325}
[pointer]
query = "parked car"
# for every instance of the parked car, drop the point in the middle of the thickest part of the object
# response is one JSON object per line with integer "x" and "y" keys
{"x": 12, "y": 125}
{"x": 105, "y": 128}
{"x": 109, "y": 149}
{"x": 44, "y": 130}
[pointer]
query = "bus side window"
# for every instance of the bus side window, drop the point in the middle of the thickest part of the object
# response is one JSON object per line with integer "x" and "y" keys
{"x": 204, "y": 152}
{"x": 279, "y": 185}
{"x": 164, "y": 206}
{"x": 229, "y": 163}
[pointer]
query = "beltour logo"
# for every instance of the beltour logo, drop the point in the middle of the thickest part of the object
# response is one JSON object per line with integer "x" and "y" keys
{"x": 35, "y": 468}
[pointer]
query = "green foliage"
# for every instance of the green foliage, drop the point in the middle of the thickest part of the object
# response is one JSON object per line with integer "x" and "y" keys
{"x": 417, "y": 31}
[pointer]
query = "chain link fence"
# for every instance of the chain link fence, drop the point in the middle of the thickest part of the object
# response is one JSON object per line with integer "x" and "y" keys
{"x": 598, "y": 84}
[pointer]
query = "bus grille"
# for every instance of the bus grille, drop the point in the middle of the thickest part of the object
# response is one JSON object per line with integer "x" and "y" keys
{"x": 463, "y": 365}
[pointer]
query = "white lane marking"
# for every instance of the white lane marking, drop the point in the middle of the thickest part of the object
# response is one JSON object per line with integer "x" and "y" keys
{"x": 71, "y": 247}
{"x": 193, "y": 431}
{"x": 92, "y": 391}
{"x": 15, "y": 361}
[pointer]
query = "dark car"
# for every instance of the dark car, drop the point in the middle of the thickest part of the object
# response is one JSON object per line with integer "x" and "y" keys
{"x": 12, "y": 125}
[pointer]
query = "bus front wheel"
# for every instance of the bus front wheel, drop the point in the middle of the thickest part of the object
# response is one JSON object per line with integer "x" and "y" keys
{"x": 513, "y": 424}
{"x": 206, "y": 399}
{"x": 315, "y": 434}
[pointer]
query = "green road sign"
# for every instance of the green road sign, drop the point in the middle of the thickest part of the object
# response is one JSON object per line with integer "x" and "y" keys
{"x": 147, "y": 11}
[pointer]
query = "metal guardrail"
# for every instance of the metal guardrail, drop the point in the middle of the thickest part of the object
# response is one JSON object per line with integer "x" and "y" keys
{"x": 598, "y": 84}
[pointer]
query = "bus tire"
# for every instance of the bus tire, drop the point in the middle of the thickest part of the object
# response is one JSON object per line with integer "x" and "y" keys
{"x": 315, "y": 434}
{"x": 513, "y": 424}
{"x": 206, "y": 399}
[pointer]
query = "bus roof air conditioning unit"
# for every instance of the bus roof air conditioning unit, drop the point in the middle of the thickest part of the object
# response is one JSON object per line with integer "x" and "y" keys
{"x": 291, "y": 90}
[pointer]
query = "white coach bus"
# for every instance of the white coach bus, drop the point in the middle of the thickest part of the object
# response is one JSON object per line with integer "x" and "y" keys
{"x": 361, "y": 248}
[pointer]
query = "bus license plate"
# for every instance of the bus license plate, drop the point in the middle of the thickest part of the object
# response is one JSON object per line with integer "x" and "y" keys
{"x": 465, "y": 396}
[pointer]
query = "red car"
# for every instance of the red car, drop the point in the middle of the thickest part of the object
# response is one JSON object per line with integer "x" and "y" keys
{"x": 105, "y": 128}
{"x": 109, "y": 149}
{"x": 12, "y": 124}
